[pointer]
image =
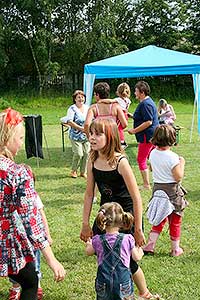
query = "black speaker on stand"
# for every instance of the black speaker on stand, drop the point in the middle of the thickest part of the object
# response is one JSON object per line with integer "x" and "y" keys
{"x": 33, "y": 136}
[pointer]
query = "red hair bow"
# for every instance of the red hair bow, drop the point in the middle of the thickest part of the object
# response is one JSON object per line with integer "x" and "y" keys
{"x": 13, "y": 117}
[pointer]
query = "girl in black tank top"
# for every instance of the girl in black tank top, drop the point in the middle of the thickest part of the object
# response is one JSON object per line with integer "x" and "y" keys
{"x": 112, "y": 187}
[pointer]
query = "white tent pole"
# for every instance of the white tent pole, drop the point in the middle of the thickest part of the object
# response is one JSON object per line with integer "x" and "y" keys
{"x": 88, "y": 87}
{"x": 198, "y": 104}
{"x": 196, "y": 86}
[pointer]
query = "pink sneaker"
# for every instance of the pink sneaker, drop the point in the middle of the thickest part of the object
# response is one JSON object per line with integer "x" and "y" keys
{"x": 14, "y": 294}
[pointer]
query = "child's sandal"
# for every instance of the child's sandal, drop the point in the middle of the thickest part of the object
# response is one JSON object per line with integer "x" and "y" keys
{"x": 148, "y": 296}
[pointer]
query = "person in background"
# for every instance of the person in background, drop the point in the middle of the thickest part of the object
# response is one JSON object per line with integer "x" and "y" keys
{"x": 168, "y": 171}
{"x": 113, "y": 250}
{"x": 123, "y": 92}
{"x": 14, "y": 292}
{"x": 21, "y": 227}
{"x": 145, "y": 119}
{"x": 104, "y": 107}
{"x": 75, "y": 118}
{"x": 109, "y": 168}
{"x": 166, "y": 114}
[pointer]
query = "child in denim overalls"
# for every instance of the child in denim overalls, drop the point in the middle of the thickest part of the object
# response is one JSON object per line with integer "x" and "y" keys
{"x": 113, "y": 250}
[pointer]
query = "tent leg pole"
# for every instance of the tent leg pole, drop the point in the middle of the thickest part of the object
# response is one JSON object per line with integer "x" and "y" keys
{"x": 35, "y": 138}
{"x": 192, "y": 126}
{"x": 46, "y": 145}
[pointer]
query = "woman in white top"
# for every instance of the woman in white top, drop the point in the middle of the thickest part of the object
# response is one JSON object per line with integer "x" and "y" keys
{"x": 166, "y": 114}
{"x": 75, "y": 118}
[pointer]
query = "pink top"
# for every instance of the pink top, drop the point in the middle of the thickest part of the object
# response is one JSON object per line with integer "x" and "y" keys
{"x": 110, "y": 115}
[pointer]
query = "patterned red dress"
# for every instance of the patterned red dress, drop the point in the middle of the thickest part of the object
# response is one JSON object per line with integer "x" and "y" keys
{"x": 21, "y": 227}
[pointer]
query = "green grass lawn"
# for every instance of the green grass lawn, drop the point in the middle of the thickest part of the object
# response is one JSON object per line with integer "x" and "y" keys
{"x": 173, "y": 278}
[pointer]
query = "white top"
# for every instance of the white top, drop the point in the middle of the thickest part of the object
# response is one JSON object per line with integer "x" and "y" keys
{"x": 124, "y": 103}
{"x": 38, "y": 202}
{"x": 162, "y": 163}
{"x": 72, "y": 110}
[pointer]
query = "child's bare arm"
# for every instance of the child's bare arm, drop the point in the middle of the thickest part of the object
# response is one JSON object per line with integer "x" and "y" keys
{"x": 178, "y": 170}
{"x": 54, "y": 264}
{"x": 44, "y": 219}
{"x": 137, "y": 253}
{"x": 89, "y": 250}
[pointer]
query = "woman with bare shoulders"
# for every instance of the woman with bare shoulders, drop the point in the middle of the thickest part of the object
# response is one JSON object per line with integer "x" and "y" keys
{"x": 104, "y": 110}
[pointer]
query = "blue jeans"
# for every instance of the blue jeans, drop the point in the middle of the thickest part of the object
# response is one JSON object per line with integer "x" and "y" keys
{"x": 113, "y": 281}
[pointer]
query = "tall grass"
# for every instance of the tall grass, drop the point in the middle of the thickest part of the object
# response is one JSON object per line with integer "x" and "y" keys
{"x": 173, "y": 278}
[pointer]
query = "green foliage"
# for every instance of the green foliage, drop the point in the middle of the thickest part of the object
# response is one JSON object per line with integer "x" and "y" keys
{"x": 46, "y": 38}
{"x": 4, "y": 103}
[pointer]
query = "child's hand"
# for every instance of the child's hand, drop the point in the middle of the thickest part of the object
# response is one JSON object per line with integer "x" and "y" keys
{"x": 89, "y": 242}
{"x": 140, "y": 251}
{"x": 58, "y": 269}
{"x": 89, "y": 248}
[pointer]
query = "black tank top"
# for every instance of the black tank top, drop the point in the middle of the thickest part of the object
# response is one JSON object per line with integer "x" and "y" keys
{"x": 112, "y": 187}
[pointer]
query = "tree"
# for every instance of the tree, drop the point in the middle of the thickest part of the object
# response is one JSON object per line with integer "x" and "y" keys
{"x": 193, "y": 13}
{"x": 159, "y": 22}
{"x": 31, "y": 22}
{"x": 3, "y": 56}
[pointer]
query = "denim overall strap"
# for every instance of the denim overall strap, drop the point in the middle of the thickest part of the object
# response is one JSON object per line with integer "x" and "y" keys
{"x": 112, "y": 252}
{"x": 113, "y": 280}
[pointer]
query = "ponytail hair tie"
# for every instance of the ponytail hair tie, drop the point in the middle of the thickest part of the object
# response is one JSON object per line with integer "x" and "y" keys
{"x": 102, "y": 211}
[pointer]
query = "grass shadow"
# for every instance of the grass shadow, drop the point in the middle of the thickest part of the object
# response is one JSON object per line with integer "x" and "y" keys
{"x": 56, "y": 159}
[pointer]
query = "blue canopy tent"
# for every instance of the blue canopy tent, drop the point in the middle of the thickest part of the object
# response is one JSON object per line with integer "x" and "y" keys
{"x": 147, "y": 61}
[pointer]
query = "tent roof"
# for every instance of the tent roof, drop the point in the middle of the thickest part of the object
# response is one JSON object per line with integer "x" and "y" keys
{"x": 147, "y": 61}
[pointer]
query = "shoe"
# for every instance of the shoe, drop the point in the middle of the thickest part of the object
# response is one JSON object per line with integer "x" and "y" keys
{"x": 39, "y": 294}
{"x": 177, "y": 252}
{"x": 83, "y": 175}
{"x": 148, "y": 296}
{"x": 176, "y": 249}
{"x": 74, "y": 174}
{"x": 148, "y": 249}
{"x": 14, "y": 294}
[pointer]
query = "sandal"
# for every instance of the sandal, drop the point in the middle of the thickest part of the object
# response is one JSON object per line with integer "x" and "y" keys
{"x": 148, "y": 296}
